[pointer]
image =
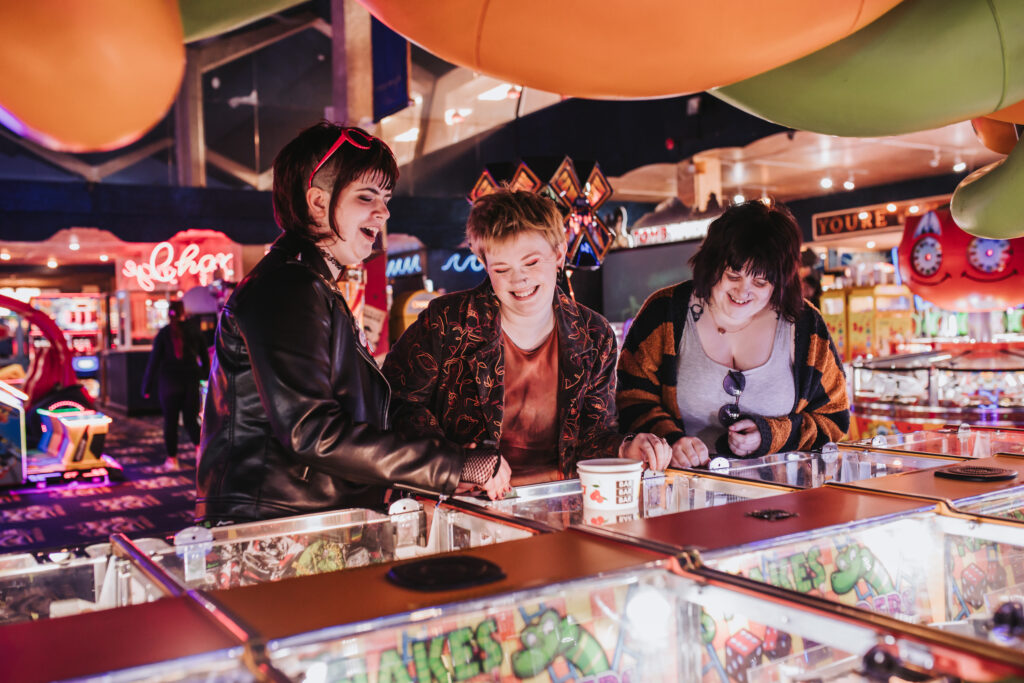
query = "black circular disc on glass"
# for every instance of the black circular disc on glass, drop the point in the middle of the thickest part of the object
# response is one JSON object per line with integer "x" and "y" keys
{"x": 975, "y": 473}
{"x": 445, "y": 573}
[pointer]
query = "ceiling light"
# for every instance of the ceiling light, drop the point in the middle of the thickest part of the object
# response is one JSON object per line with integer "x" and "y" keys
{"x": 51, "y": 262}
{"x": 849, "y": 184}
{"x": 914, "y": 209}
{"x": 5, "y": 255}
{"x": 496, "y": 94}
{"x": 936, "y": 159}
{"x": 863, "y": 215}
{"x": 890, "y": 207}
{"x": 104, "y": 258}
{"x": 738, "y": 198}
{"x": 417, "y": 98}
{"x": 960, "y": 166}
{"x": 871, "y": 244}
{"x": 454, "y": 116}
{"x": 73, "y": 244}
{"x": 826, "y": 182}
{"x": 408, "y": 136}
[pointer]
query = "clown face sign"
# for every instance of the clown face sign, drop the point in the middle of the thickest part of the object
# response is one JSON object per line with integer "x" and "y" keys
{"x": 959, "y": 272}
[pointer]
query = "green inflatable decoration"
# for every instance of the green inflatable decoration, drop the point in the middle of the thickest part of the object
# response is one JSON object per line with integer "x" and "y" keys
{"x": 990, "y": 201}
{"x": 207, "y": 18}
{"x": 924, "y": 64}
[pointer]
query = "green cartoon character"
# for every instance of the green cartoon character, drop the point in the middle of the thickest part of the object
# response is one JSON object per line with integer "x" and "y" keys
{"x": 856, "y": 562}
{"x": 548, "y": 636}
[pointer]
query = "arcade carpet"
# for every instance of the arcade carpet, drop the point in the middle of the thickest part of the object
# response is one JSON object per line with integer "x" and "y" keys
{"x": 152, "y": 501}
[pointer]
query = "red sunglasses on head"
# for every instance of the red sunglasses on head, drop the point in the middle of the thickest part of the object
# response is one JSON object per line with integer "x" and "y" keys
{"x": 356, "y": 137}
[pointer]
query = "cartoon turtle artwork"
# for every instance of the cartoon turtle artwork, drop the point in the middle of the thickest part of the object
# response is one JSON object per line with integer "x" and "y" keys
{"x": 855, "y": 562}
{"x": 319, "y": 557}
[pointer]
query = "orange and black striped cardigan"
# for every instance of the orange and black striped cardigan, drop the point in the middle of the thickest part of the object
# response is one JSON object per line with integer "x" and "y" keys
{"x": 646, "y": 394}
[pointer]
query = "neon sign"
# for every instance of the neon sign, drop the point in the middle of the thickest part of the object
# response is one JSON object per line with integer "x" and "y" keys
{"x": 407, "y": 265}
{"x": 162, "y": 267}
{"x": 471, "y": 261}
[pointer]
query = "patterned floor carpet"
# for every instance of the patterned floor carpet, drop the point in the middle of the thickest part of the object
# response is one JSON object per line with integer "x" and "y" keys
{"x": 152, "y": 501}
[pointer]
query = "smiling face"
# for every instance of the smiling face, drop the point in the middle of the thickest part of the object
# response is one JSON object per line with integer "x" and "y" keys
{"x": 738, "y": 296}
{"x": 523, "y": 270}
{"x": 359, "y": 217}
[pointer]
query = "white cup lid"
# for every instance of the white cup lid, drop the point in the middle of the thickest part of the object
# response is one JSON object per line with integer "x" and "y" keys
{"x": 609, "y": 466}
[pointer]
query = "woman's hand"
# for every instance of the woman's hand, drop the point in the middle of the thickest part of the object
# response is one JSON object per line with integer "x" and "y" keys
{"x": 649, "y": 448}
{"x": 744, "y": 437}
{"x": 689, "y": 451}
{"x": 497, "y": 486}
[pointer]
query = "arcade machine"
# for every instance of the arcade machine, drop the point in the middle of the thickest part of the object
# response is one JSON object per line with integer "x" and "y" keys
{"x": 64, "y": 435}
{"x": 982, "y": 383}
{"x": 950, "y": 572}
{"x": 12, "y": 435}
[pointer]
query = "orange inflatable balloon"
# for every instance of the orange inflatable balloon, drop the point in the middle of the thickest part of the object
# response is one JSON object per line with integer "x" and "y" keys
{"x": 1012, "y": 114}
{"x": 998, "y": 136}
{"x": 615, "y": 49}
{"x": 87, "y": 76}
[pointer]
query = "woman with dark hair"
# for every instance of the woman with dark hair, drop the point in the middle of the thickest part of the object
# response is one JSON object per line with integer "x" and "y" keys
{"x": 734, "y": 361}
{"x": 296, "y": 416}
{"x": 177, "y": 363}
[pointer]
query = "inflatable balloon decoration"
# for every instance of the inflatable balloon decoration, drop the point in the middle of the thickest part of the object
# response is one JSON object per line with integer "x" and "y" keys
{"x": 925, "y": 64}
{"x": 613, "y": 49}
{"x": 588, "y": 238}
{"x": 88, "y": 76}
{"x": 959, "y": 272}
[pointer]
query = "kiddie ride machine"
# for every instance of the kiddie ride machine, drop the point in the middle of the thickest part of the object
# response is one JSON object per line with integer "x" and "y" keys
{"x": 49, "y": 431}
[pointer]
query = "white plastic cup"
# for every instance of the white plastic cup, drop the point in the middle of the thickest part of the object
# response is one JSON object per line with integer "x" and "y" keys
{"x": 598, "y": 516}
{"x": 610, "y": 483}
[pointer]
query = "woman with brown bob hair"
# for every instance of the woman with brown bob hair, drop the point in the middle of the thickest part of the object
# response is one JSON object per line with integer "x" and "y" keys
{"x": 296, "y": 417}
{"x": 734, "y": 361}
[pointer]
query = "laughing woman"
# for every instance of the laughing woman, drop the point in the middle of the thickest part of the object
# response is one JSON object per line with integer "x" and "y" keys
{"x": 296, "y": 416}
{"x": 734, "y": 361}
{"x": 515, "y": 362}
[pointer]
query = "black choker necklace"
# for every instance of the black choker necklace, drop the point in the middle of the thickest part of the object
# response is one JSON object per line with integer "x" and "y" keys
{"x": 329, "y": 257}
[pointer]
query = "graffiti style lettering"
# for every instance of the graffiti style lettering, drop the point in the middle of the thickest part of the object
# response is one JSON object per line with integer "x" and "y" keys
{"x": 163, "y": 268}
{"x": 429, "y": 667}
{"x": 808, "y": 573}
{"x": 548, "y": 636}
{"x": 392, "y": 670}
{"x": 489, "y": 644}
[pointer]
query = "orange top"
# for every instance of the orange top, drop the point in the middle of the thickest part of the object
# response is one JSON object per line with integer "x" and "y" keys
{"x": 529, "y": 432}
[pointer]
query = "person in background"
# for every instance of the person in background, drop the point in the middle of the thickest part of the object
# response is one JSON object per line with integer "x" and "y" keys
{"x": 733, "y": 361}
{"x": 177, "y": 363}
{"x": 515, "y": 362}
{"x": 296, "y": 418}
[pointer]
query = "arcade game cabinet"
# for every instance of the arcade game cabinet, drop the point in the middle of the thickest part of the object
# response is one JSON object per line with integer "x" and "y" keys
{"x": 62, "y": 435}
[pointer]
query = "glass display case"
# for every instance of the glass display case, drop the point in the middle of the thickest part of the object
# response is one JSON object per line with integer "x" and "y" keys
{"x": 59, "y": 584}
{"x": 560, "y": 504}
{"x": 926, "y": 390}
{"x": 615, "y": 614}
{"x": 949, "y": 573}
{"x": 963, "y": 442}
{"x": 810, "y": 469}
{"x": 258, "y": 552}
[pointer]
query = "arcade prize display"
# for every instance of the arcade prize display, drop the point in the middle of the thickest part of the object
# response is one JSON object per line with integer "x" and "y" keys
{"x": 603, "y": 612}
{"x": 963, "y": 441}
{"x": 919, "y": 391}
{"x": 880, "y": 319}
{"x": 34, "y": 586}
{"x": 949, "y": 572}
{"x": 559, "y": 504}
{"x": 303, "y": 545}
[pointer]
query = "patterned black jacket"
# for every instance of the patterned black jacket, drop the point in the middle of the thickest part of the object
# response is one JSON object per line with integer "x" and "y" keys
{"x": 447, "y": 375}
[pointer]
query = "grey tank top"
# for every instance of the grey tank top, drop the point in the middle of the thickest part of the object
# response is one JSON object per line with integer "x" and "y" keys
{"x": 770, "y": 390}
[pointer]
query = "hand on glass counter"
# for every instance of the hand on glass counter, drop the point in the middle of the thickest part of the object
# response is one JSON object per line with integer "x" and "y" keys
{"x": 689, "y": 451}
{"x": 649, "y": 448}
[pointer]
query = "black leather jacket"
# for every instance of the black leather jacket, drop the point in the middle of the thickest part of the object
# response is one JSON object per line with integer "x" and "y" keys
{"x": 296, "y": 416}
